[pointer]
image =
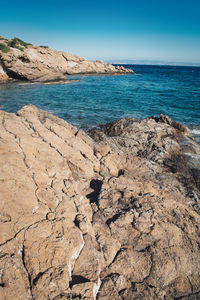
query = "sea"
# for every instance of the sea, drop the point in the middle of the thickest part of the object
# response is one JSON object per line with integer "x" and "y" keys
{"x": 93, "y": 99}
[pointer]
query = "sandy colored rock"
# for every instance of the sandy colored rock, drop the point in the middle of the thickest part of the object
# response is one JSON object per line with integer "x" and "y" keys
{"x": 41, "y": 64}
{"x": 114, "y": 218}
{"x": 3, "y": 76}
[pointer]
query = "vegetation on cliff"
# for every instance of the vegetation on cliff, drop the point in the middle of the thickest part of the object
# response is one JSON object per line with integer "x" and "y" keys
{"x": 13, "y": 43}
{"x": 44, "y": 46}
{"x": 4, "y": 48}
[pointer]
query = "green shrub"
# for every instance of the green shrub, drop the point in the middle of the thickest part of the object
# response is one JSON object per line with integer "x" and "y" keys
{"x": 17, "y": 43}
{"x": 9, "y": 43}
{"x": 20, "y": 42}
{"x": 44, "y": 46}
{"x": 20, "y": 48}
{"x": 14, "y": 44}
{"x": 4, "y": 48}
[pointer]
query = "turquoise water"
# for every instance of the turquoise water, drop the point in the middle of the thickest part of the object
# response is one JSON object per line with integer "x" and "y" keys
{"x": 170, "y": 90}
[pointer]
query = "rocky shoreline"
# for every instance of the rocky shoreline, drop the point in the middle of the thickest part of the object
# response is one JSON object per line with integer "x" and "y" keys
{"x": 22, "y": 61}
{"x": 111, "y": 214}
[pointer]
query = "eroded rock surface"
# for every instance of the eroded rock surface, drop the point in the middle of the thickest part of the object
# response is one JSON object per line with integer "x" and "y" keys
{"x": 43, "y": 64}
{"x": 3, "y": 76}
{"x": 113, "y": 219}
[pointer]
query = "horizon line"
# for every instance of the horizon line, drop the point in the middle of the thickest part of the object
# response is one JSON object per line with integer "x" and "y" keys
{"x": 152, "y": 62}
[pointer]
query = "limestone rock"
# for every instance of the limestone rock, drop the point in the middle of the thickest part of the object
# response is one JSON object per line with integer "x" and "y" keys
{"x": 43, "y": 64}
{"x": 117, "y": 218}
{"x": 3, "y": 76}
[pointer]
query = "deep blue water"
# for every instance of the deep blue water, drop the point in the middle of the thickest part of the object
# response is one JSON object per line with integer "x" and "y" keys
{"x": 170, "y": 90}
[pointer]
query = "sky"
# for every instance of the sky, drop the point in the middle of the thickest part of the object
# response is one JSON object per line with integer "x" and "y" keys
{"x": 161, "y": 30}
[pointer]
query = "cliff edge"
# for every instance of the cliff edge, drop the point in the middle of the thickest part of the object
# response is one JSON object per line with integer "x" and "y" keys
{"x": 114, "y": 218}
{"x": 23, "y": 61}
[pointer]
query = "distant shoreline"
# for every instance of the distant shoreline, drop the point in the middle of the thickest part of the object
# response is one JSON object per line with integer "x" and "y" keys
{"x": 155, "y": 64}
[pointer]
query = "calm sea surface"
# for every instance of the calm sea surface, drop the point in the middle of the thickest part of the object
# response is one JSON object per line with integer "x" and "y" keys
{"x": 170, "y": 90}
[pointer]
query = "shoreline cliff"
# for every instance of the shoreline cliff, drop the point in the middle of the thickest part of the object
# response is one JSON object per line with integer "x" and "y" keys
{"x": 22, "y": 61}
{"x": 112, "y": 214}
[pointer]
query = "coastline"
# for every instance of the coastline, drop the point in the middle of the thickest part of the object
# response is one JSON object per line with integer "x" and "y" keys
{"x": 100, "y": 170}
{"x": 23, "y": 61}
{"x": 151, "y": 92}
{"x": 111, "y": 212}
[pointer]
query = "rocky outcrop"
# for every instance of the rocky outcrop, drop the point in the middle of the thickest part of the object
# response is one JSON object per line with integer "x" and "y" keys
{"x": 113, "y": 219}
{"x": 3, "y": 76}
{"x": 43, "y": 64}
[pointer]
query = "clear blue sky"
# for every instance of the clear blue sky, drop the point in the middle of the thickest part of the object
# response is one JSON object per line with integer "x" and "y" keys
{"x": 130, "y": 29}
